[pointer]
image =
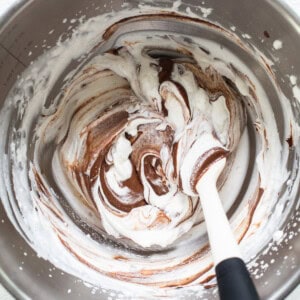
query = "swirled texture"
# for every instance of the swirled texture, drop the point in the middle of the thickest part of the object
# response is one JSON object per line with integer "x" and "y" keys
{"x": 112, "y": 159}
{"x": 133, "y": 135}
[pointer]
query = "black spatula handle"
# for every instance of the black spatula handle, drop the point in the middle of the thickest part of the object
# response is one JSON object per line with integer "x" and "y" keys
{"x": 234, "y": 280}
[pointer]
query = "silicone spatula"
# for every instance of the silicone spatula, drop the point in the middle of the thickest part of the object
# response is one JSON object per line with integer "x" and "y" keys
{"x": 234, "y": 281}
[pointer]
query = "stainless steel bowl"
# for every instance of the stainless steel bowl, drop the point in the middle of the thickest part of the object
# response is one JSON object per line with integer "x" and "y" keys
{"x": 25, "y": 26}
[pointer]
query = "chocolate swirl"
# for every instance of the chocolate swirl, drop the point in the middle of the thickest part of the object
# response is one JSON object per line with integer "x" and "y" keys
{"x": 138, "y": 133}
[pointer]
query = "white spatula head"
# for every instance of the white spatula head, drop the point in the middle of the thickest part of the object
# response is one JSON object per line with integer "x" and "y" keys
{"x": 222, "y": 242}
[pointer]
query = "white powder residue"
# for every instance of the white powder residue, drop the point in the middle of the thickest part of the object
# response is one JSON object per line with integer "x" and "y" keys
{"x": 293, "y": 79}
{"x": 205, "y": 11}
{"x": 246, "y": 36}
{"x": 296, "y": 92}
{"x": 176, "y": 4}
{"x": 277, "y": 235}
{"x": 277, "y": 44}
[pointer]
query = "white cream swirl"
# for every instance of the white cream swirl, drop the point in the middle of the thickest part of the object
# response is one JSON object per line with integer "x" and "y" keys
{"x": 134, "y": 133}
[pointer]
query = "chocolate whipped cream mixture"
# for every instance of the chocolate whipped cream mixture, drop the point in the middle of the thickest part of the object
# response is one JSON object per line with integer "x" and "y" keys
{"x": 103, "y": 170}
{"x": 135, "y": 132}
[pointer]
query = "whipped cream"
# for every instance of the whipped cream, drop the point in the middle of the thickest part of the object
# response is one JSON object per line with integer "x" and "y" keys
{"x": 138, "y": 132}
{"x": 99, "y": 177}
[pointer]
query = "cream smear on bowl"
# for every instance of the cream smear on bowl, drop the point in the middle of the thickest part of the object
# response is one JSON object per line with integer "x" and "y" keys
{"x": 99, "y": 177}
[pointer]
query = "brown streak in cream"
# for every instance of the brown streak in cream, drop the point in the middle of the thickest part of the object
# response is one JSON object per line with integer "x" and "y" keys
{"x": 208, "y": 279}
{"x": 121, "y": 257}
{"x": 153, "y": 17}
{"x": 112, "y": 199}
{"x": 42, "y": 188}
{"x": 161, "y": 219}
{"x": 149, "y": 142}
{"x": 40, "y": 185}
{"x": 183, "y": 94}
{"x": 99, "y": 140}
{"x": 191, "y": 212}
{"x": 187, "y": 280}
{"x": 174, "y": 156}
{"x": 204, "y": 162}
{"x": 167, "y": 66}
{"x": 245, "y": 224}
{"x": 197, "y": 255}
{"x": 134, "y": 183}
{"x": 290, "y": 139}
{"x": 157, "y": 181}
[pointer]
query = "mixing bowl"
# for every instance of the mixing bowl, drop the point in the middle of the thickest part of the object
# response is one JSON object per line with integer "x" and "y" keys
{"x": 29, "y": 28}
